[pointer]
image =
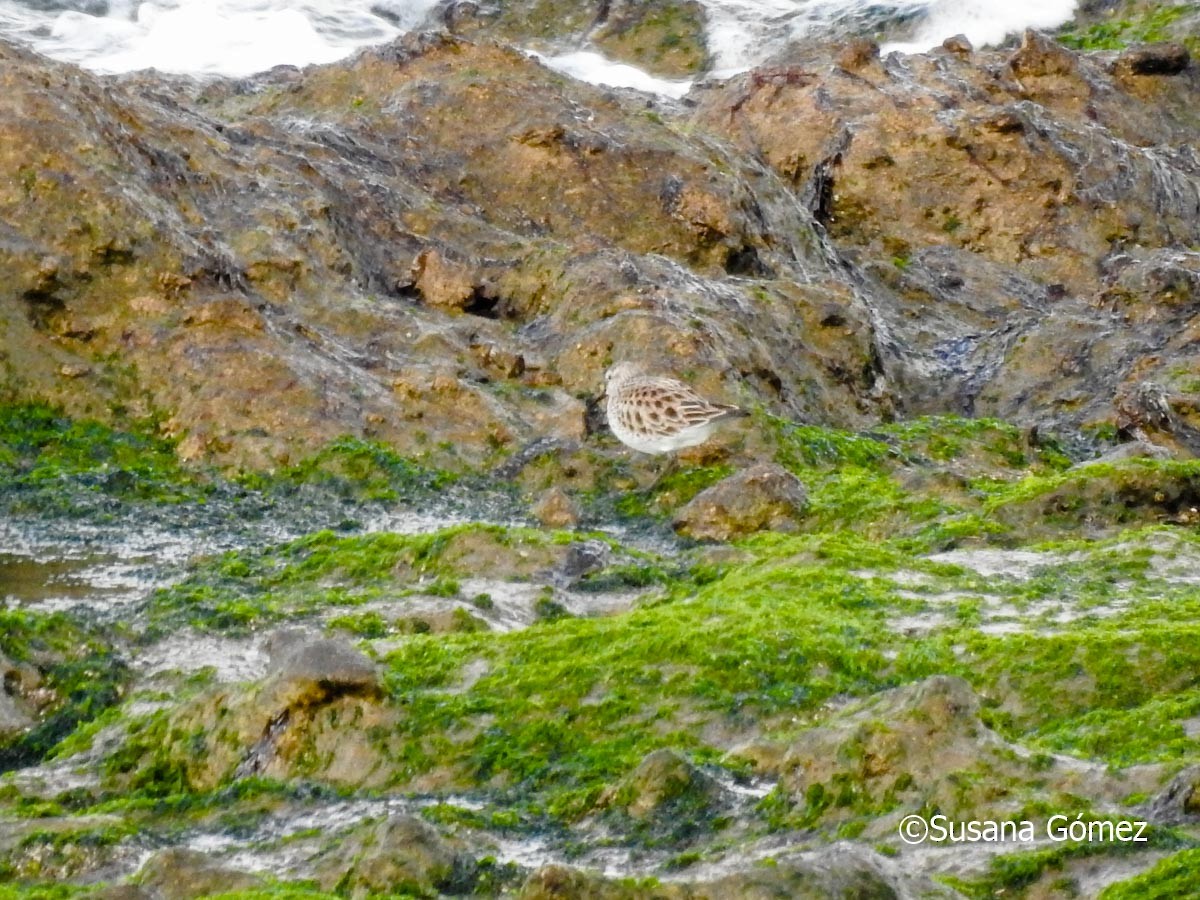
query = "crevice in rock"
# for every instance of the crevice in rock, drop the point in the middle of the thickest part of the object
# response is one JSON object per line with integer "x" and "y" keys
{"x": 259, "y": 756}
{"x": 484, "y": 304}
{"x": 43, "y": 304}
{"x": 745, "y": 261}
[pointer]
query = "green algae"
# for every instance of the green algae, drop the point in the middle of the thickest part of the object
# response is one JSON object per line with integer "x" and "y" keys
{"x": 765, "y": 643}
{"x": 81, "y": 671}
{"x": 356, "y": 469}
{"x": 1176, "y": 876}
{"x": 1135, "y": 26}
{"x": 42, "y": 451}
{"x": 325, "y": 571}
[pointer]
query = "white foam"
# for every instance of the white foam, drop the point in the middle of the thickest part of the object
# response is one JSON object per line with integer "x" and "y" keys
{"x": 221, "y": 37}
{"x": 238, "y": 37}
{"x": 597, "y": 69}
{"x": 983, "y": 21}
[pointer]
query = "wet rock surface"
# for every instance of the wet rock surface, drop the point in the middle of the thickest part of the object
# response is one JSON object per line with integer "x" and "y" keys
{"x": 320, "y": 569}
{"x": 765, "y": 496}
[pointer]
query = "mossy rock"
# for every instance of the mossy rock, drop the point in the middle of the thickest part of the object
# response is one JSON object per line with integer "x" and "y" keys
{"x": 182, "y": 874}
{"x": 400, "y": 855}
{"x": 664, "y": 37}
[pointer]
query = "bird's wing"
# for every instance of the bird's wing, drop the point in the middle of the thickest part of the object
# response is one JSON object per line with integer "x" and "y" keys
{"x": 666, "y": 407}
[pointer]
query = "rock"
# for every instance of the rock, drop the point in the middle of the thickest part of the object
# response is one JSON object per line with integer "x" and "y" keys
{"x": 764, "y": 496}
{"x": 965, "y": 224}
{"x": 400, "y": 855}
{"x": 1100, "y": 498}
{"x": 259, "y": 279}
{"x": 582, "y": 558}
{"x": 840, "y": 870}
{"x": 558, "y": 882}
{"x": 920, "y": 744}
{"x": 555, "y": 509}
{"x": 14, "y": 720}
{"x": 441, "y": 283}
{"x": 1179, "y": 802}
{"x": 1152, "y": 59}
{"x": 311, "y": 666}
{"x": 1041, "y": 56}
{"x": 14, "y": 717}
{"x": 1132, "y": 450}
{"x": 858, "y": 54}
{"x": 181, "y": 874}
{"x": 958, "y": 44}
{"x": 664, "y": 37}
{"x": 1141, "y": 406}
{"x": 663, "y": 786}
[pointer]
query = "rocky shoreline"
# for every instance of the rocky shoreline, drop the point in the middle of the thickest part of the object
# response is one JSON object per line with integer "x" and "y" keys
{"x": 325, "y": 578}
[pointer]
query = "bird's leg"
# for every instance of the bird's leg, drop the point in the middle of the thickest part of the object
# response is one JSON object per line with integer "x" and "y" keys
{"x": 669, "y": 468}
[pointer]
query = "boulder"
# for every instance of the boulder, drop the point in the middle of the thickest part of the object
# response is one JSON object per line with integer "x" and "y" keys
{"x": 182, "y": 874}
{"x": 400, "y": 855}
{"x": 763, "y": 497}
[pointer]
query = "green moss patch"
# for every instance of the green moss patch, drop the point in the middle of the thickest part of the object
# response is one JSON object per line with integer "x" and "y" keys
{"x": 1133, "y": 24}
{"x": 80, "y": 676}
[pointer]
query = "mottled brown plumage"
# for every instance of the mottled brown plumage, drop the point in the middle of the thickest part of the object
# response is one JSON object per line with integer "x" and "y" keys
{"x": 655, "y": 414}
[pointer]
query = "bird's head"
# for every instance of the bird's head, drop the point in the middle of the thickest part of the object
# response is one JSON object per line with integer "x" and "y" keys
{"x": 620, "y": 371}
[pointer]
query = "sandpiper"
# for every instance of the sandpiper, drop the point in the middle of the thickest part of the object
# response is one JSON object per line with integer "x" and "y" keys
{"x": 655, "y": 414}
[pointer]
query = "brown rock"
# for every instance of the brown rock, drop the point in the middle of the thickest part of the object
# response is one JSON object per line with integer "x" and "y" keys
{"x": 765, "y": 496}
{"x": 1040, "y": 56}
{"x": 555, "y": 509}
{"x": 858, "y": 54}
{"x": 442, "y": 283}
{"x": 181, "y": 874}
{"x": 958, "y": 44}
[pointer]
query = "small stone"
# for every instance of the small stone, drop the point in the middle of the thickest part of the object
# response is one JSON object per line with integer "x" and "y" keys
{"x": 1132, "y": 450}
{"x": 1179, "y": 802}
{"x": 958, "y": 44}
{"x": 765, "y": 496}
{"x": 555, "y": 509}
{"x": 858, "y": 54}
{"x": 73, "y": 370}
{"x": 402, "y": 853}
{"x": 661, "y": 778}
{"x": 441, "y": 282}
{"x": 1039, "y": 55}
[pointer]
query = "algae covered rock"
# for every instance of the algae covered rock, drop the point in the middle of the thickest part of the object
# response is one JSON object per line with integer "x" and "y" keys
{"x": 14, "y": 717}
{"x": 560, "y": 882}
{"x": 764, "y": 496}
{"x": 1179, "y": 802}
{"x": 312, "y": 715}
{"x": 665, "y": 37}
{"x": 666, "y": 787}
{"x": 400, "y": 855}
{"x": 1102, "y": 496}
{"x": 181, "y": 874}
{"x": 918, "y": 747}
